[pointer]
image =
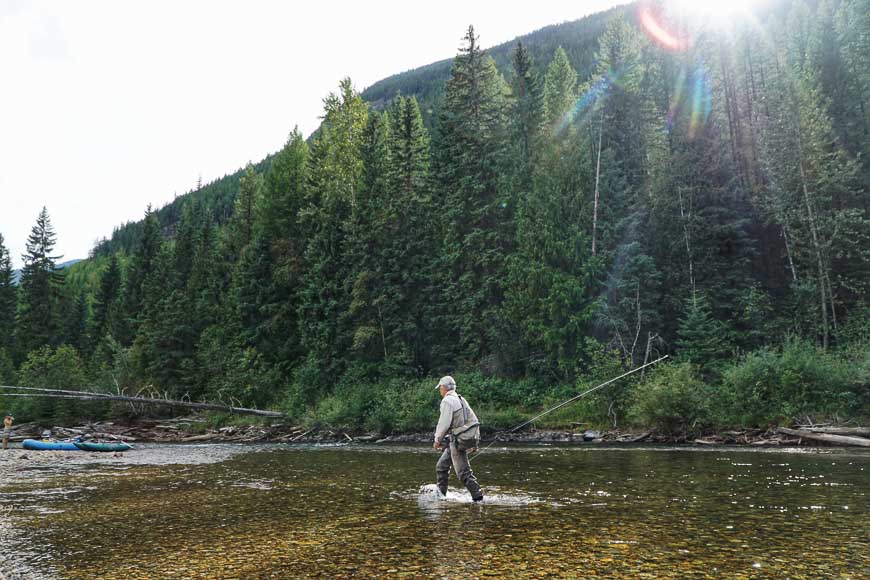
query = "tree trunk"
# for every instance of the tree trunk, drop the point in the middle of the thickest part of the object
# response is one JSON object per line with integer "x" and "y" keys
{"x": 794, "y": 276}
{"x": 839, "y": 430}
{"x": 688, "y": 245}
{"x": 597, "y": 179}
{"x": 88, "y": 396}
{"x": 835, "y": 439}
{"x": 816, "y": 243}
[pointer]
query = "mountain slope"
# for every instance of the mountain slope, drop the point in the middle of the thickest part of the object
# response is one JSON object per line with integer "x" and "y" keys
{"x": 579, "y": 38}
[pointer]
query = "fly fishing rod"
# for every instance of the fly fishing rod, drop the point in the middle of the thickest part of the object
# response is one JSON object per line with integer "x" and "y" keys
{"x": 562, "y": 404}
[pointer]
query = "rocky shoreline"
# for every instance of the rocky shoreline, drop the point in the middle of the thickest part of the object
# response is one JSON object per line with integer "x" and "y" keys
{"x": 194, "y": 429}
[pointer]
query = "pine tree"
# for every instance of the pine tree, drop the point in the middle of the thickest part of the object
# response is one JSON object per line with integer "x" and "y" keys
{"x": 329, "y": 225}
{"x": 366, "y": 254}
{"x": 618, "y": 129}
{"x": 38, "y": 323}
{"x": 560, "y": 84}
{"x": 702, "y": 339}
{"x": 475, "y": 205}
{"x": 527, "y": 114}
{"x": 551, "y": 279}
{"x": 8, "y": 298}
{"x": 185, "y": 240}
{"x": 73, "y": 315}
{"x": 278, "y": 228}
{"x": 141, "y": 266}
{"x": 413, "y": 249}
{"x": 812, "y": 185}
{"x": 104, "y": 301}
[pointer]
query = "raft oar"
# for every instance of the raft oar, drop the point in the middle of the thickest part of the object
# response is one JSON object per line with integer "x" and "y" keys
{"x": 562, "y": 404}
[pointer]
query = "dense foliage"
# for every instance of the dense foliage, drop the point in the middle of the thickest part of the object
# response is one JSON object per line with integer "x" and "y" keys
{"x": 533, "y": 219}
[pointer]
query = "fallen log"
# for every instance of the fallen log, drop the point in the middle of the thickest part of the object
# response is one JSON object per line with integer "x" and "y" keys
{"x": 89, "y": 396}
{"x": 839, "y": 430}
{"x": 827, "y": 438}
{"x": 640, "y": 437}
{"x": 204, "y": 437}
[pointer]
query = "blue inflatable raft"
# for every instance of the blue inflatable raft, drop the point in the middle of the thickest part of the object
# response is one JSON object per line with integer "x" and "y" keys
{"x": 35, "y": 445}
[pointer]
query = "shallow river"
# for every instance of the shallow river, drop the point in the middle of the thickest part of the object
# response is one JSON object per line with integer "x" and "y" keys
{"x": 288, "y": 512}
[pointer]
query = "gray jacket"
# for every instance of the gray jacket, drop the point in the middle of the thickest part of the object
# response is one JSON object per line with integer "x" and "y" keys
{"x": 452, "y": 418}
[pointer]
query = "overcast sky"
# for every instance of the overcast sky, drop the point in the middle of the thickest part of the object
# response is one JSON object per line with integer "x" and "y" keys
{"x": 107, "y": 106}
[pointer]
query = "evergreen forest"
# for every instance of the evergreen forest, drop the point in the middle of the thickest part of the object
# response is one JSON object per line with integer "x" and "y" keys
{"x": 533, "y": 219}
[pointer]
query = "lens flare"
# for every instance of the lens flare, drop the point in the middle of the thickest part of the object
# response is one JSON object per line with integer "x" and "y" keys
{"x": 691, "y": 99}
{"x": 659, "y": 33}
{"x": 583, "y": 102}
{"x": 700, "y": 103}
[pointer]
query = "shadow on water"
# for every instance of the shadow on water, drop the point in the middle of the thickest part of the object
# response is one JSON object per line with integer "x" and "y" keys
{"x": 294, "y": 511}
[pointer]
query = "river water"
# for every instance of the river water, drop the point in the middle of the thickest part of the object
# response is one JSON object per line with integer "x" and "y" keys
{"x": 313, "y": 511}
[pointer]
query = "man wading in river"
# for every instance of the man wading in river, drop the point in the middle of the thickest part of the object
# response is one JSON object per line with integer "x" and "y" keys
{"x": 461, "y": 423}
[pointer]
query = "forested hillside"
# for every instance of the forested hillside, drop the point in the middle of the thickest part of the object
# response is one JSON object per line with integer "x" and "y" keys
{"x": 630, "y": 185}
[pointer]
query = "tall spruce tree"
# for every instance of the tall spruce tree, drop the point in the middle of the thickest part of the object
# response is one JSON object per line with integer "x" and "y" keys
{"x": 278, "y": 226}
{"x": 413, "y": 248}
{"x": 141, "y": 266}
{"x": 475, "y": 203}
{"x": 38, "y": 323}
{"x": 329, "y": 223}
{"x": 240, "y": 230}
{"x": 8, "y": 298}
{"x": 527, "y": 114}
{"x": 105, "y": 301}
{"x": 560, "y": 85}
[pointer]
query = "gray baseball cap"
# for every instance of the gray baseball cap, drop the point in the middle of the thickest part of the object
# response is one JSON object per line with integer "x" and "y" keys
{"x": 447, "y": 382}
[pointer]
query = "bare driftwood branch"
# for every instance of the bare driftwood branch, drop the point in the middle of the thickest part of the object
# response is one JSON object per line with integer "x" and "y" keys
{"x": 839, "y": 430}
{"x": 827, "y": 438}
{"x": 89, "y": 396}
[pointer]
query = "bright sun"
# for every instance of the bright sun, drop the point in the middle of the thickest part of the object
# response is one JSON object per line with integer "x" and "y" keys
{"x": 719, "y": 14}
{"x": 719, "y": 11}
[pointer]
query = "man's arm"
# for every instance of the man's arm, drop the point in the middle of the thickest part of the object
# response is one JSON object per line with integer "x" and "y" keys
{"x": 443, "y": 422}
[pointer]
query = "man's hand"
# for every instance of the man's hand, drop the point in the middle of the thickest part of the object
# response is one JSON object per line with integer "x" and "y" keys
{"x": 436, "y": 445}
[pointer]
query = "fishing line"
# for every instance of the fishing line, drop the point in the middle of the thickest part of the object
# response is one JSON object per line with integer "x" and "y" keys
{"x": 560, "y": 405}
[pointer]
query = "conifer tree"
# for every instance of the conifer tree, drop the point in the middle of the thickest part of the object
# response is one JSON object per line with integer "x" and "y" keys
{"x": 141, "y": 266}
{"x": 278, "y": 232}
{"x": 240, "y": 230}
{"x": 329, "y": 225}
{"x": 184, "y": 242}
{"x": 38, "y": 323}
{"x": 702, "y": 338}
{"x": 527, "y": 113}
{"x": 8, "y": 298}
{"x": 560, "y": 84}
{"x": 366, "y": 255}
{"x": 476, "y": 208}
{"x": 73, "y": 314}
{"x": 105, "y": 301}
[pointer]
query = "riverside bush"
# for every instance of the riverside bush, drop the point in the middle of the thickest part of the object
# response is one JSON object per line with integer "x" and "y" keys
{"x": 771, "y": 386}
{"x": 671, "y": 399}
{"x": 54, "y": 368}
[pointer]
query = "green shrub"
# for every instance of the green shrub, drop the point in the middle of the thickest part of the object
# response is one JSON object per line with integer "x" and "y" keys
{"x": 772, "y": 386}
{"x": 59, "y": 368}
{"x": 671, "y": 399}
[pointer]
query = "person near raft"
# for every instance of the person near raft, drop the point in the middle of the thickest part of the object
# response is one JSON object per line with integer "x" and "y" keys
{"x": 7, "y": 430}
{"x": 459, "y": 424}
